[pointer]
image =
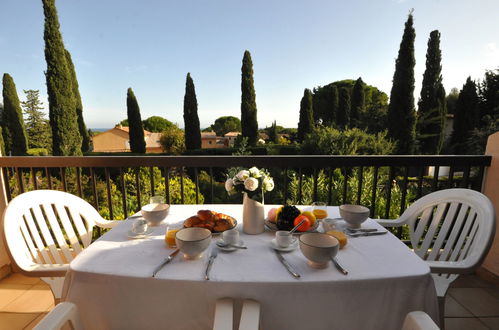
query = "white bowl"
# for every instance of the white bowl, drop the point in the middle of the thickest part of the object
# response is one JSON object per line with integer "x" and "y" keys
{"x": 354, "y": 215}
{"x": 193, "y": 241}
{"x": 318, "y": 248}
{"x": 155, "y": 213}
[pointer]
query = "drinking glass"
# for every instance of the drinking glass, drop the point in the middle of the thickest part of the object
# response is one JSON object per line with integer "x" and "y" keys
{"x": 319, "y": 209}
{"x": 157, "y": 199}
{"x": 171, "y": 231}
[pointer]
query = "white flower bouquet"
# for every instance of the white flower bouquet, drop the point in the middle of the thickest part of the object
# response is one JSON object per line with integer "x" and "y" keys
{"x": 254, "y": 182}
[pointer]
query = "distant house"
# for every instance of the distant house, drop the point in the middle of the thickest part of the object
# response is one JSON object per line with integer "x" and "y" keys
{"x": 117, "y": 139}
{"x": 231, "y": 138}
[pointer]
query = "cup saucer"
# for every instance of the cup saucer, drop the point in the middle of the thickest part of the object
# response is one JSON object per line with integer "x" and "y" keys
{"x": 230, "y": 248}
{"x": 291, "y": 246}
{"x": 133, "y": 235}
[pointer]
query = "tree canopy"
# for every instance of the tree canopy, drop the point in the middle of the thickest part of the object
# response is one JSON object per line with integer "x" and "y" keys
{"x": 156, "y": 124}
{"x": 37, "y": 126}
{"x": 226, "y": 124}
{"x": 173, "y": 140}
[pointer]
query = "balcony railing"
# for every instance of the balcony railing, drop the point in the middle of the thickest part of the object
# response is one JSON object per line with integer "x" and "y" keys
{"x": 119, "y": 185}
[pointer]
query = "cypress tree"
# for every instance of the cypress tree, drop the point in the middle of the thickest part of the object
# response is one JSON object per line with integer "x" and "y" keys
{"x": 358, "y": 102}
{"x": 333, "y": 107}
{"x": 466, "y": 116}
{"x": 12, "y": 119}
{"x": 273, "y": 136}
{"x": 432, "y": 104}
{"x": 401, "y": 112}
{"x": 306, "y": 123}
{"x": 249, "y": 123}
{"x": 343, "y": 115}
{"x": 66, "y": 139}
{"x": 85, "y": 143}
{"x": 2, "y": 144}
{"x": 191, "y": 119}
{"x": 135, "y": 128}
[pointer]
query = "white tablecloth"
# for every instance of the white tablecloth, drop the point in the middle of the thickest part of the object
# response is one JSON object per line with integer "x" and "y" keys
{"x": 111, "y": 282}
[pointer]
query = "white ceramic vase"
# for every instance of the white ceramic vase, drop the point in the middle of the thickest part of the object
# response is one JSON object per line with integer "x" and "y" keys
{"x": 253, "y": 216}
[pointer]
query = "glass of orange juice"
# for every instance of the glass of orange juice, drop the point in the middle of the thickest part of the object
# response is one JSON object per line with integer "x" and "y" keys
{"x": 171, "y": 231}
{"x": 319, "y": 209}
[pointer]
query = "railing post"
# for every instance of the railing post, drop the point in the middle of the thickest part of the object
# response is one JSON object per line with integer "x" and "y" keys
{"x": 5, "y": 269}
{"x": 491, "y": 180}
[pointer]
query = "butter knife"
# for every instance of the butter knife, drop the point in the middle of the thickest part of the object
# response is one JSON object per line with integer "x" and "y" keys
{"x": 167, "y": 260}
{"x": 286, "y": 264}
{"x": 213, "y": 255}
{"x": 338, "y": 266}
{"x": 374, "y": 233}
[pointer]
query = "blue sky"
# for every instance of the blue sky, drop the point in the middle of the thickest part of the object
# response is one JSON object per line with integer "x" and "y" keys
{"x": 150, "y": 45}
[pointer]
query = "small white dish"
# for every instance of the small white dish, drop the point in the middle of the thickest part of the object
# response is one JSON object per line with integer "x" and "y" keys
{"x": 133, "y": 235}
{"x": 230, "y": 248}
{"x": 290, "y": 247}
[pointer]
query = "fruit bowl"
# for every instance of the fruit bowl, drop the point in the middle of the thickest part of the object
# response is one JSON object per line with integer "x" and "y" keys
{"x": 273, "y": 227}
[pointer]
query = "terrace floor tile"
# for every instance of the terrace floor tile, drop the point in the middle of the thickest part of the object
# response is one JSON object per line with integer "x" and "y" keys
{"x": 477, "y": 300}
{"x": 38, "y": 299}
{"x": 14, "y": 321}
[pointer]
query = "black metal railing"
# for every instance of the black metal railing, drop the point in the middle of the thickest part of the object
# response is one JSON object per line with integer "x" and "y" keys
{"x": 119, "y": 185}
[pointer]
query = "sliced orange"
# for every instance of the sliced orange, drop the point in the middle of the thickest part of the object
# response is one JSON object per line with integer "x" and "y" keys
{"x": 340, "y": 236}
{"x": 320, "y": 214}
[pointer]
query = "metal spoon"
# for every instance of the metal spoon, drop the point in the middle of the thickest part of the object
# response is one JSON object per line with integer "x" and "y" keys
{"x": 223, "y": 244}
{"x": 297, "y": 226}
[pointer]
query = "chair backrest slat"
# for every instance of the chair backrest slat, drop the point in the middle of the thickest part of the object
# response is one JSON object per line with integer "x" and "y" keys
{"x": 31, "y": 251}
{"x": 57, "y": 232}
{"x": 84, "y": 233}
{"x": 418, "y": 231}
{"x": 35, "y": 234}
{"x": 68, "y": 228}
{"x": 456, "y": 228}
{"x": 470, "y": 239}
{"x": 463, "y": 235}
{"x": 47, "y": 237}
{"x": 432, "y": 229}
{"x": 443, "y": 232}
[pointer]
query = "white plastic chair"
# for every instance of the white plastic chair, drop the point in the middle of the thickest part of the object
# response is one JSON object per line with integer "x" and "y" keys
{"x": 46, "y": 229}
{"x": 58, "y": 317}
{"x": 419, "y": 321}
{"x": 224, "y": 315}
{"x": 452, "y": 230}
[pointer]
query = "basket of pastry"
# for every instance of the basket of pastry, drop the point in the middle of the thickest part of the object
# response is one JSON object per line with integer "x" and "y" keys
{"x": 214, "y": 221}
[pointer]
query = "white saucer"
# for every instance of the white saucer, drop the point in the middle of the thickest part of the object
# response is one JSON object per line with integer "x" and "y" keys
{"x": 291, "y": 246}
{"x": 148, "y": 232}
{"x": 230, "y": 248}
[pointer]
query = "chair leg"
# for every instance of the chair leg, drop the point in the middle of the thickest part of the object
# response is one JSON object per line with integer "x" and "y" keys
{"x": 441, "y": 312}
{"x": 224, "y": 311}
{"x": 250, "y": 315}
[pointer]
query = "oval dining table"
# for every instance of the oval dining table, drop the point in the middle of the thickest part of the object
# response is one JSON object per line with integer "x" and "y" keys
{"x": 112, "y": 285}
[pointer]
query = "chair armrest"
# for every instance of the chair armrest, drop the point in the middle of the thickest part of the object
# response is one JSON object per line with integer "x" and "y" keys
{"x": 390, "y": 223}
{"x": 58, "y": 317}
{"x": 44, "y": 270}
{"x": 103, "y": 223}
{"x": 451, "y": 267}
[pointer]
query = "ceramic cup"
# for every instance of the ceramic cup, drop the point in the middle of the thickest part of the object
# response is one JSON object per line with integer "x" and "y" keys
{"x": 230, "y": 236}
{"x": 283, "y": 238}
